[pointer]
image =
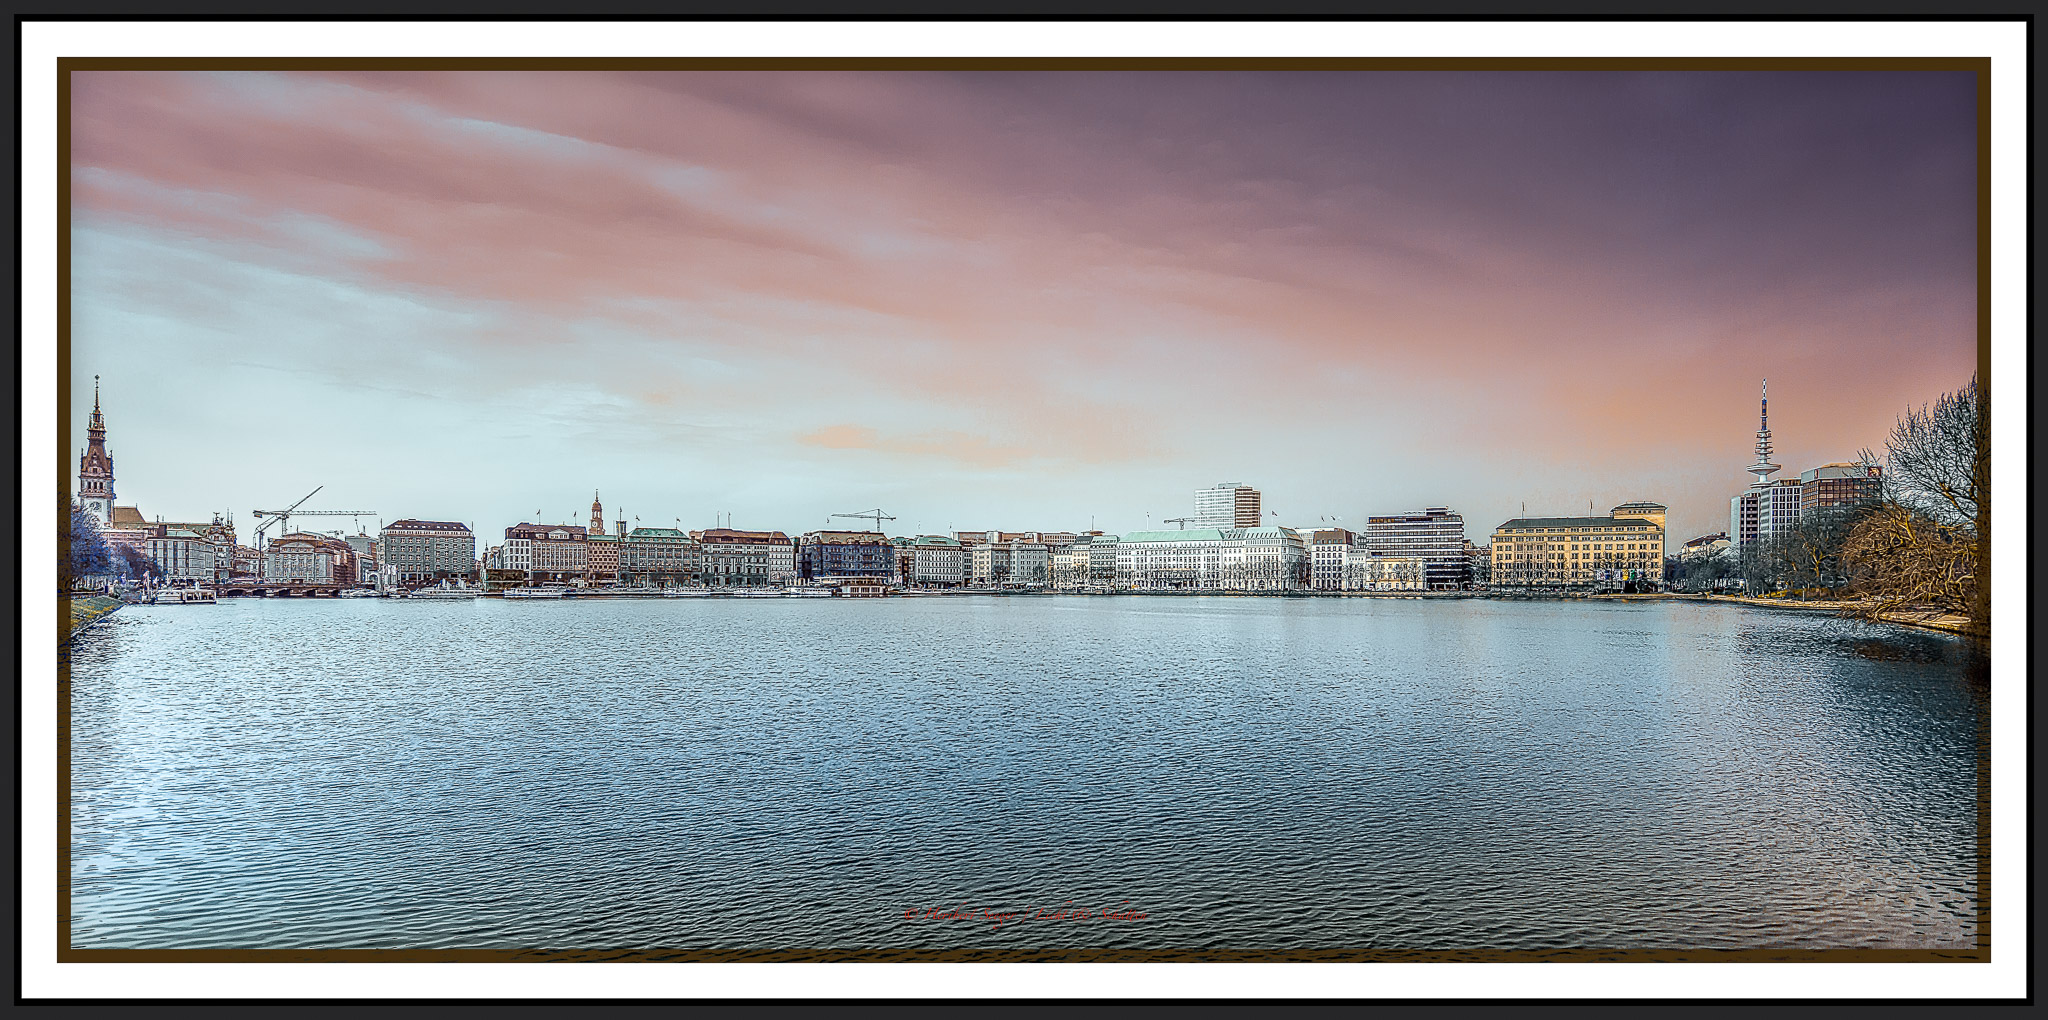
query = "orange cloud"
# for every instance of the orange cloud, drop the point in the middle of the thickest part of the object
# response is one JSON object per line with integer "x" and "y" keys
{"x": 978, "y": 451}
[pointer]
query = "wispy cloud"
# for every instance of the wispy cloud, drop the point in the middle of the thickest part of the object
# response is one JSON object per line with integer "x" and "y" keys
{"x": 1115, "y": 271}
{"x": 978, "y": 451}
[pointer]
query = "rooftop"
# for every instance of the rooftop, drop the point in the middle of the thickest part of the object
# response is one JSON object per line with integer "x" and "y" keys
{"x": 847, "y": 538}
{"x": 1185, "y": 535}
{"x": 409, "y": 524}
{"x": 524, "y": 530}
{"x": 1576, "y": 522}
{"x": 1836, "y": 470}
{"x": 728, "y": 536}
{"x": 1435, "y": 513}
{"x": 1206, "y": 534}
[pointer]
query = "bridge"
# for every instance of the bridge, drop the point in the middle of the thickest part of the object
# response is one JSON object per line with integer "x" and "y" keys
{"x": 250, "y": 588}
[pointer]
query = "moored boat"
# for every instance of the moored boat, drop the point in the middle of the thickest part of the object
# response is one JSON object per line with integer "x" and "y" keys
{"x": 184, "y": 597}
{"x": 447, "y": 591}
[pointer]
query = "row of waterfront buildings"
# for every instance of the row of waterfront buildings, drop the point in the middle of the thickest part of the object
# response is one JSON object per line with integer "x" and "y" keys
{"x": 1225, "y": 545}
{"x": 1400, "y": 552}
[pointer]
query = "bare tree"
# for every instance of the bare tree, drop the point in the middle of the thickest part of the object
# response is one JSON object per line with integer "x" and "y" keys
{"x": 131, "y": 562}
{"x": 1933, "y": 462}
{"x": 1811, "y": 554}
{"x": 82, "y": 552}
{"x": 1920, "y": 549}
{"x": 1901, "y": 560}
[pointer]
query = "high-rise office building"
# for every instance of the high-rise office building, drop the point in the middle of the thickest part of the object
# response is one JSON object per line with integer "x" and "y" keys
{"x": 1434, "y": 535}
{"x": 1226, "y": 505}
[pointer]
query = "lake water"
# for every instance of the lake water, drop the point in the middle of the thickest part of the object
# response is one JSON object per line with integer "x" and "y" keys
{"x": 1218, "y": 773}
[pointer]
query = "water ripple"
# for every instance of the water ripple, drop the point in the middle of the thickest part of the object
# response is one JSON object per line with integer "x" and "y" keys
{"x": 1245, "y": 774}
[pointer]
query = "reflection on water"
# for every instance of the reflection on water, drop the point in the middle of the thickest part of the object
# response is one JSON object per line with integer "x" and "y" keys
{"x": 1243, "y": 773}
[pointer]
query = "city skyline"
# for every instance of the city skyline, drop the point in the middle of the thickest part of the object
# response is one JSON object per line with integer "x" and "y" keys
{"x": 1015, "y": 301}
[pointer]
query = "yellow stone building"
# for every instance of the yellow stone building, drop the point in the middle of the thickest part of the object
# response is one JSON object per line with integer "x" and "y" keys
{"x": 1625, "y": 547}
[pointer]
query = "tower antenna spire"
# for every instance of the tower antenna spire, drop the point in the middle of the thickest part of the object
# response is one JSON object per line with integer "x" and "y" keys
{"x": 1763, "y": 468}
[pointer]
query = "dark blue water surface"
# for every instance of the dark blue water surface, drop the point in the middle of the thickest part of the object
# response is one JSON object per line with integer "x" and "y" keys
{"x": 1258, "y": 774}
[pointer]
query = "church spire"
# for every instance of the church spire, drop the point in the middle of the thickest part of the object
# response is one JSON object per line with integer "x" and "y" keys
{"x": 596, "y": 514}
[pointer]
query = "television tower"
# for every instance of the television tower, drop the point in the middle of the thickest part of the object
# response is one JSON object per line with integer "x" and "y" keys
{"x": 1763, "y": 468}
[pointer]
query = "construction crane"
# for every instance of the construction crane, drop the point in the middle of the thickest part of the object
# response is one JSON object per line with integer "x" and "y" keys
{"x": 1182, "y": 521}
{"x": 285, "y": 515}
{"x": 878, "y": 516}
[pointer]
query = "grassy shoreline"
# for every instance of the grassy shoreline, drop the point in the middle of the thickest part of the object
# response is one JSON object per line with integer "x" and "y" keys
{"x": 82, "y": 612}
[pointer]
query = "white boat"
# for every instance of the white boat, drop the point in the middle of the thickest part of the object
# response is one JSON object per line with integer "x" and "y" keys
{"x": 692, "y": 593}
{"x": 537, "y": 593}
{"x": 447, "y": 592}
{"x": 358, "y": 593}
{"x": 807, "y": 593}
{"x": 184, "y": 597}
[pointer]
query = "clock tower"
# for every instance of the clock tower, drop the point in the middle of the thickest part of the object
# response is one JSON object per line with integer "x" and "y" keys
{"x": 96, "y": 467}
{"x": 596, "y": 514}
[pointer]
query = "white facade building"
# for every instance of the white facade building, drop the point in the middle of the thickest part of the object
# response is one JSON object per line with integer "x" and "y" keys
{"x": 1329, "y": 550}
{"x": 1778, "y": 508}
{"x": 1212, "y": 559}
{"x": 936, "y": 562}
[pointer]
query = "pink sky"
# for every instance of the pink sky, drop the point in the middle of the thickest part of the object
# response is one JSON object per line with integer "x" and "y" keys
{"x": 1015, "y": 300}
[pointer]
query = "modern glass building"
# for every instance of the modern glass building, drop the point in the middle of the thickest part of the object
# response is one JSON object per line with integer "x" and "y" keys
{"x": 1434, "y": 534}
